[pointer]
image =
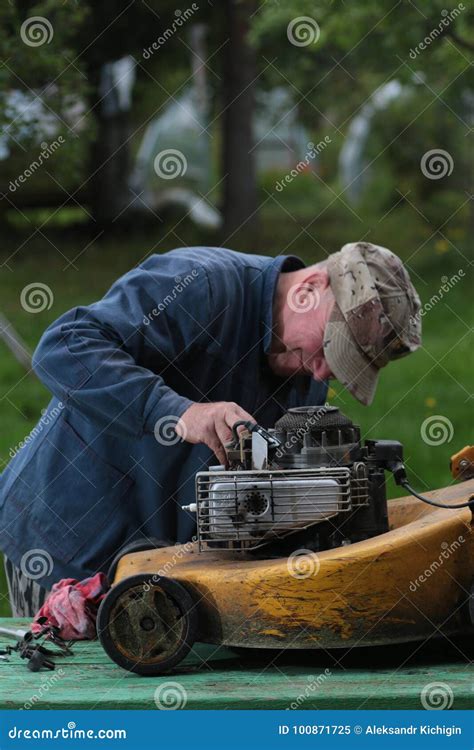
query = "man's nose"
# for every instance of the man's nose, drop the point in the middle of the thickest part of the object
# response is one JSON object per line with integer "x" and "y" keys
{"x": 321, "y": 369}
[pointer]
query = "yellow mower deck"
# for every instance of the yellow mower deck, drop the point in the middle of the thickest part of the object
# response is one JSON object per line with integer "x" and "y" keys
{"x": 410, "y": 583}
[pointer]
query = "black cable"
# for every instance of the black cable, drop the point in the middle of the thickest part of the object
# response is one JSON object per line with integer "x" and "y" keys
{"x": 240, "y": 423}
{"x": 469, "y": 504}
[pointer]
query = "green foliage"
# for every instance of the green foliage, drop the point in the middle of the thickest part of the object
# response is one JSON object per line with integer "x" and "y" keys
{"x": 372, "y": 40}
{"x": 49, "y": 68}
{"x": 399, "y": 138}
{"x": 361, "y": 46}
{"x": 62, "y": 74}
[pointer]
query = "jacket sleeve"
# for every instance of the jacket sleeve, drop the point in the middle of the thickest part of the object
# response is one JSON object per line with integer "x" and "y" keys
{"x": 109, "y": 360}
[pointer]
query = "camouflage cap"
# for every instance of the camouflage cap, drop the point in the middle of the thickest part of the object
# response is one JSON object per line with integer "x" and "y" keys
{"x": 375, "y": 317}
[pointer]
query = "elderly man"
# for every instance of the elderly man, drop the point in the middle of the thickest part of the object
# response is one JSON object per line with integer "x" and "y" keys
{"x": 148, "y": 382}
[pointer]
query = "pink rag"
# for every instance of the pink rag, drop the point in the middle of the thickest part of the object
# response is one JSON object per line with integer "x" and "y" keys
{"x": 72, "y": 607}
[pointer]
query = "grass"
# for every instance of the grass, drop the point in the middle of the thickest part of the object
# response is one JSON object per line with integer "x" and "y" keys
{"x": 434, "y": 381}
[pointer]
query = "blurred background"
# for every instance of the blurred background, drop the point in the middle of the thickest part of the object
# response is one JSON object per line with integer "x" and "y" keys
{"x": 130, "y": 128}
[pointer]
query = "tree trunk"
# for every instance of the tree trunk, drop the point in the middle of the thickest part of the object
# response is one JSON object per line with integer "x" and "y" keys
{"x": 110, "y": 153}
{"x": 110, "y": 193}
{"x": 240, "y": 188}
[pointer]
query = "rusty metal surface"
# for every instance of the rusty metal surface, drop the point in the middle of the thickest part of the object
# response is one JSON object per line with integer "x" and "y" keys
{"x": 145, "y": 625}
{"x": 403, "y": 585}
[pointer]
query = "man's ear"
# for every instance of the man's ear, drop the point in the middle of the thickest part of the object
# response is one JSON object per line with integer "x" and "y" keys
{"x": 318, "y": 278}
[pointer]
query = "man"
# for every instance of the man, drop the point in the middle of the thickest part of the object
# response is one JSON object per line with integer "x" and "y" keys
{"x": 148, "y": 382}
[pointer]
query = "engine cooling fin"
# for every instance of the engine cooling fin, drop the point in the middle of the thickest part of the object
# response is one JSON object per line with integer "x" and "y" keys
{"x": 311, "y": 418}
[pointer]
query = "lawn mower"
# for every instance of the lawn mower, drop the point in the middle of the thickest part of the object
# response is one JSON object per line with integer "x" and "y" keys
{"x": 297, "y": 548}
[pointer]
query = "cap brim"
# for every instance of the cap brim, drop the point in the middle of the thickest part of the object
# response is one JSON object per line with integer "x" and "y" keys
{"x": 348, "y": 363}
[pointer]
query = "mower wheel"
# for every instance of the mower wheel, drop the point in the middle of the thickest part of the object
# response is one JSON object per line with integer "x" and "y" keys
{"x": 147, "y": 624}
{"x": 139, "y": 545}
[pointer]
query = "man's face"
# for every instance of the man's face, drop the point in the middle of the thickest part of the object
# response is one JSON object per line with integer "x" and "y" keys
{"x": 299, "y": 334}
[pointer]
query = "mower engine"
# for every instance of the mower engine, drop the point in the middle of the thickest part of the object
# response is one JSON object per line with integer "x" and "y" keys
{"x": 309, "y": 476}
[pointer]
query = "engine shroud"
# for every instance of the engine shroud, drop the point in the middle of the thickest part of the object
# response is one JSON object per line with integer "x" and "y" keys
{"x": 319, "y": 484}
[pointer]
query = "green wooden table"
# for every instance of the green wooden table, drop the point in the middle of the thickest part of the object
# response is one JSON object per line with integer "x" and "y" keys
{"x": 218, "y": 678}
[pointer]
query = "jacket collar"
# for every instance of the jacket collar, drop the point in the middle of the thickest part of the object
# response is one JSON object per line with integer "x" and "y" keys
{"x": 281, "y": 264}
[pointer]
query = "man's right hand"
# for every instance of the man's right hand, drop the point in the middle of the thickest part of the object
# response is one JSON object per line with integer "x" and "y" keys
{"x": 211, "y": 424}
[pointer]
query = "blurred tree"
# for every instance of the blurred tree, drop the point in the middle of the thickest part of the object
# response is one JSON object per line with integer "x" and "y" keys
{"x": 240, "y": 74}
{"x": 334, "y": 55}
{"x": 40, "y": 81}
{"x": 353, "y": 48}
{"x": 350, "y": 51}
{"x": 58, "y": 54}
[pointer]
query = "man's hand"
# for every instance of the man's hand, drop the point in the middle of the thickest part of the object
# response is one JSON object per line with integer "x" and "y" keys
{"x": 211, "y": 424}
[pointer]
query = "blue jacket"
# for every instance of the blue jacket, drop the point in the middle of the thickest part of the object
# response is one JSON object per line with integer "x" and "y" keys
{"x": 103, "y": 466}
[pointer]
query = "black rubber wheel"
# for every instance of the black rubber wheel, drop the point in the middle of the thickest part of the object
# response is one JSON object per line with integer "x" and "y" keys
{"x": 139, "y": 545}
{"x": 147, "y": 624}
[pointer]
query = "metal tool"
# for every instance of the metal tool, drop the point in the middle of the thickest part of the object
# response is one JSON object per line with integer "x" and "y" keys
{"x": 29, "y": 647}
{"x": 18, "y": 633}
